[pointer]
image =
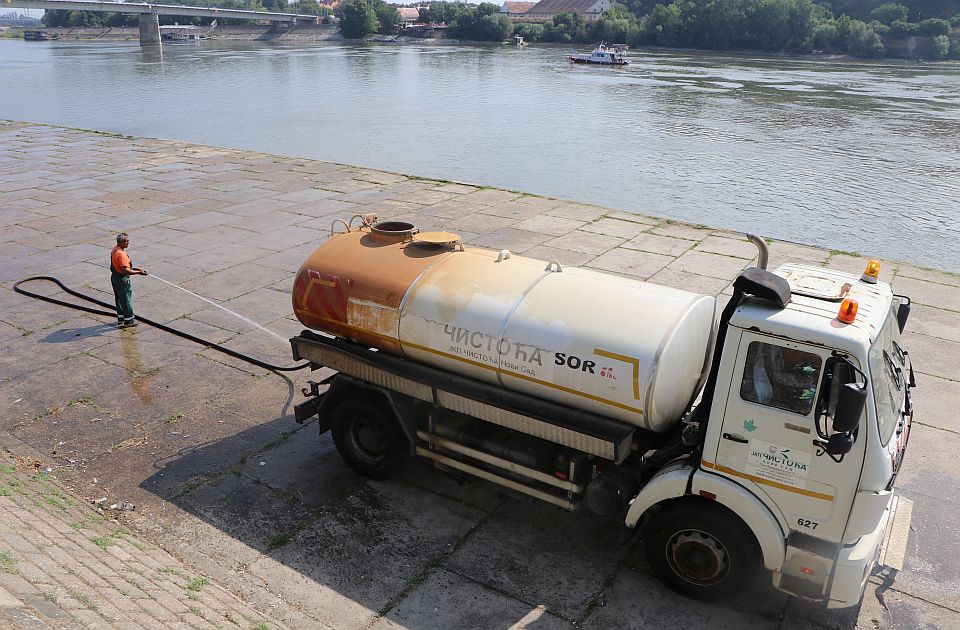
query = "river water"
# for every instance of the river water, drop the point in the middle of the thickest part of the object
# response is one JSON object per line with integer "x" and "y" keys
{"x": 851, "y": 155}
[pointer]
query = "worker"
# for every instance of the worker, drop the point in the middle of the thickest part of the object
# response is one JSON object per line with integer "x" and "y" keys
{"x": 120, "y": 271}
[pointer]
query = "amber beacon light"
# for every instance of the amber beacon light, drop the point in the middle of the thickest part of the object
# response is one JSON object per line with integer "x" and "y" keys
{"x": 872, "y": 272}
{"x": 848, "y": 311}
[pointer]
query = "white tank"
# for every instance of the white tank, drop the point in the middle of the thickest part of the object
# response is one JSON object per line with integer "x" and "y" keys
{"x": 625, "y": 349}
{"x": 622, "y": 348}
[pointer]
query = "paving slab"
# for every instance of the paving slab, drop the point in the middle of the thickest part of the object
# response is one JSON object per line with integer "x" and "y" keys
{"x": 585, "y": 242}
{"x": 446, "y": 601}
{"x": 657, "y": 244}
{"x": 638, "y": 601}
{"x": 629, "y": 262}
{"x": 616, "y": 227}
{"x": 525, "y": 550}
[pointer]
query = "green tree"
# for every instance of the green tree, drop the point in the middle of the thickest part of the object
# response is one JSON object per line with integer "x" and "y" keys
{"x": 954, "y": 49}
{"x": 308, "y": 7}
{"x": 662, "y": 26}
{"x": 388, "y": 18}
{"x": 357, "y": 19}
{"x": 529, "y": 32}
{"x": 55, "y": 18}
{"x": 934, "y": 26}
{"x": 825, "y": 36}
{"x": 780, "y": 25}
{"x": 900, "y": 28}
{"x": 494, "y": 28}
{"x": 862, "y": 41}
{"x": 566, "y": 28}
{"x": 617, "y": 25}
{"x": 888, "y": 12}
{"x": 442, "y": 12}
{"x": 939, "y": 47}
{"x": 87, "y": 19}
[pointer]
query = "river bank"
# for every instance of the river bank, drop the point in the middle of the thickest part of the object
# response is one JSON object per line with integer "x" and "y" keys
{"x": 223, "y": 478}
{"x": 909, "y": 50}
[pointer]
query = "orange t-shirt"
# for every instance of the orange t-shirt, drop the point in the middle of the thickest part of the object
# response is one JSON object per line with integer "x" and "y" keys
{"x": 119, "y": 259}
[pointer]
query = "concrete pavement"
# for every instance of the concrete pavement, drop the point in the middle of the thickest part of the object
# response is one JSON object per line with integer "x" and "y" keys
{"x": 228, "y": 484}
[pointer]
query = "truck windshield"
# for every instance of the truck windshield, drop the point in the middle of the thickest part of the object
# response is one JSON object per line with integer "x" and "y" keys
{"x": 887, "y": 374}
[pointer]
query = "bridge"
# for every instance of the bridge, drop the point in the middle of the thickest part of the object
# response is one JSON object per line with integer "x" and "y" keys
{"x": 149, "y": 13}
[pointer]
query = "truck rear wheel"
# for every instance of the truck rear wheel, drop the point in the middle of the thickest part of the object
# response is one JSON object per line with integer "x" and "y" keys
{"x": 702, "y": 550}
{"x": 369, "y": 439}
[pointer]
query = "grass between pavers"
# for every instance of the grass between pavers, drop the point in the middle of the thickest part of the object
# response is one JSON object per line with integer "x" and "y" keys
{"x": 173, "y": 418}
{"x": 105, "y": 542}
{"x": 8, "y": 563}
{"x": 844, "y": 252}
{"x": 197, "y": 583}
{"x": 84, "y": 599}
{"x": 90, "y": 520}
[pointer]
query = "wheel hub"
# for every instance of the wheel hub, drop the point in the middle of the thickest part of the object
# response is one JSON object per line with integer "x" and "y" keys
{"x": 698, "y": 557}
{"x": 369, "y": 441}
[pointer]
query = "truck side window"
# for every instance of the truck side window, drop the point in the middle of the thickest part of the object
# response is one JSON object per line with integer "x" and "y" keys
{"x": 780, "y": 377}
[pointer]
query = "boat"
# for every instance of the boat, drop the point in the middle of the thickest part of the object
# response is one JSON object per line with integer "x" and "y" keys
{"x": 35, "y": 35}
{"x": 604, "y": 54}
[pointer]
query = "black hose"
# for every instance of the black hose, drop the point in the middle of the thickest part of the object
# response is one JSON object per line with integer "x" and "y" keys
{"x": 112, "y": 313}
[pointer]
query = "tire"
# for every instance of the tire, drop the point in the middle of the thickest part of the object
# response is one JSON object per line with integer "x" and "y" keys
{"x": 702, "y": 550}
{"x": 369, "y": 440}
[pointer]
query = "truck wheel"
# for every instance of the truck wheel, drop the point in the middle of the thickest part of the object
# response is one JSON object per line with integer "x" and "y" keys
{"x": 369, "y": 440}
{"x": 702, "y": 550}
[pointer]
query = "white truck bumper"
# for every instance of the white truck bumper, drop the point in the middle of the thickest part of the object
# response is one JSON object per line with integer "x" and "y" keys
{"x": 856, "y": 563}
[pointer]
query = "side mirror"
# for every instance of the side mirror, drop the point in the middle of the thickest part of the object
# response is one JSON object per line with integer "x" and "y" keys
{"x": 851, "y": 401}
{"x": 903, "y": 312}
{"x": 839, "y": 444}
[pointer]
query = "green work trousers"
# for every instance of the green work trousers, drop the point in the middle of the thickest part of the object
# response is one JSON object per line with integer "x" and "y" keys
{"x": 123, "y": 293}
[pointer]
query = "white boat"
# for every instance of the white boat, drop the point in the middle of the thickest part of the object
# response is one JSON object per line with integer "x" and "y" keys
{"x": 603, "y": 54}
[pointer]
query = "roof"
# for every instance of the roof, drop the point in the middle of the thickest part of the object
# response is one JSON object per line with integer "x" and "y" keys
{"x": 516, "y": 7}
{"x": 562, "y": 6}
{"x": 814, "y": 319}
{"x": 408, "y": 13}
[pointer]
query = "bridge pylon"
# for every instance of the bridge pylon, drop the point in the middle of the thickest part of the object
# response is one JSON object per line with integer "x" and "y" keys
{"x": 149, "y": 29}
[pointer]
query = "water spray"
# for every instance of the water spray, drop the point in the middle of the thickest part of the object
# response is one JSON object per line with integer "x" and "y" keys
{"x": 222, "y": 308}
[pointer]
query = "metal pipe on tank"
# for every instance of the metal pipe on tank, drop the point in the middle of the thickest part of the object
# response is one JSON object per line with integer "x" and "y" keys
{"x": 764, "y": 254}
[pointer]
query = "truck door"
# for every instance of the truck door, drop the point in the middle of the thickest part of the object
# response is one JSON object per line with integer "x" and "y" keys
{"x": 766, "y": 440}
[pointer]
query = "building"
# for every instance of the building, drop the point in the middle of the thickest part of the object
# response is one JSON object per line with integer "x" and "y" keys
{"x": 516, "y": 9}
{"x": 408, "y": 15}
{"x": 543, "y": 11}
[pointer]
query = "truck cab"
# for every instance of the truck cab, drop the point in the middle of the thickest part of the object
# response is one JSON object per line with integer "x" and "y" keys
{"x": 783, "y": 372}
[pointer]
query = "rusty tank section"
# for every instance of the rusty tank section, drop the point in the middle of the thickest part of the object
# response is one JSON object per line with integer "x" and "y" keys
{"x": 629, "y": 350}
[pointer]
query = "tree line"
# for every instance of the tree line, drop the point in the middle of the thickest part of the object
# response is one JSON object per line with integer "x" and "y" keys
{"x": 96, "y": 19}
{"x": 796, "y": 26}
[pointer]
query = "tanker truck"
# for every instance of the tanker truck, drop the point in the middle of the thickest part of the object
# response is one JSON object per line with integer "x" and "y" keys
{"x": 763, "y": 438}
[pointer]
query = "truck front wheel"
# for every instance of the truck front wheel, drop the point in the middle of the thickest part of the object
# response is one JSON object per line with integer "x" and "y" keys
{"x": 368, "y": 439}
{"x": 702, "y": 550}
